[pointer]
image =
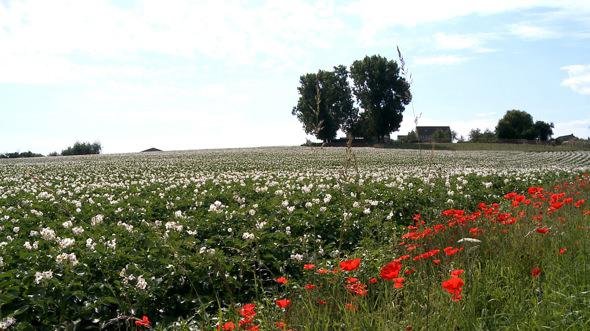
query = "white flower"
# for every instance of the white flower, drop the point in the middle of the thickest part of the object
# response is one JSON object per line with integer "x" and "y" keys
{"x": 77, "y": 230}
{"x": 6, "y": 323}
{"x": 66, "y": 242}
{"x": 1, "y": 261}
{"x": 66, "y": 258}
{"x": 252, "y": 212}
{"x": 39, "y": 276}
{"x": 247, "y": 236}
{"x": 260, "y": 225}
{"x": 141, "y": 283}
{"x": 297, "y": 257}
{"x": 112, "y": 244}
{"x": 33, "y": 233}
{"x": 178, "y": 214}
{"x": 16, "y": 229}
{"x": 285, "y": 203}
{"x": 90, "y": 244}
{"x": 488, "y": 184}
{"x": 67, "y": 224}
{"x": 288, "y": 230}
{"x": 47, "y": 234}
{"x": 356, "y": 204}
{"x": 367, "y": 211}
{"x": 96, "y": 220}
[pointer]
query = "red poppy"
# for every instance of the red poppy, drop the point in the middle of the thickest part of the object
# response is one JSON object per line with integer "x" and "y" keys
{"x": 562, "y": 250}
{"x": 358, "y": 288}
{"x": 437, "y": 262}
{"x": 308, "y": 266}
{"x": 144, "y": 321}
{"x": 350, "y": 265}
{"x": 253, "y": 328}
{"x": 229, "y": 326}
{"x": 282, "y": 280}
{"x": 399, "y": 282}
{"x": 535, "y": 272}
{"x": 391, "y": 270}
{"x": 454, "y": 286}
{"x": 450, "y": 251}
{"x": 542, "y": 230}
{"x": 245, "y": 321}
{"x": 578, "y": 203}
{"x": 323, "y": 271}
{"x": 457, "y": 272}
{"x": 351, "y": 280}
{"x": 283, "y": 303}
{"x": 248, "y": 310}
{"x": 321, "y": 302}
{"x": 310, "y": 287}
{"x": 373, "y": 280}
{"x": 281, "y": 325}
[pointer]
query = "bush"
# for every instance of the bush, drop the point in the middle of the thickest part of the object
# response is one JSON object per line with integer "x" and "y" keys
{"x": 82, "y": 149}
{"x": 19, "y": 155}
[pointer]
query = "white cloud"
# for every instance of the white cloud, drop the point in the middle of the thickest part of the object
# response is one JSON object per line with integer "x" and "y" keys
{"x": 378, "y": 15}
{"x": 532, "y": 32}
{"x": 578, "y": 78}
{"x": 440, "y": 60}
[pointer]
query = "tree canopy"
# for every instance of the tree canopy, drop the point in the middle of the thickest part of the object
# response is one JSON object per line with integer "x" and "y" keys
{"x": 382, "y": 93}
{"x": 83, "y": 149}
{"x": 518, "y": 124}
{"x": 325, "y": 103}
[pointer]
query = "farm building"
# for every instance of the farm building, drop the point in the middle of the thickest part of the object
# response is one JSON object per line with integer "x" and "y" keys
{"x": 434, "y": 133}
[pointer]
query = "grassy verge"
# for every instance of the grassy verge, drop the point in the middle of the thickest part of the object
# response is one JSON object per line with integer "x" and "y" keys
{"x": 522, "y": 263}
{"x": 488, "y": 147}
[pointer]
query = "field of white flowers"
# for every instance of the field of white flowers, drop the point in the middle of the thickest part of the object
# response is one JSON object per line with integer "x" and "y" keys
{"x": 85, "y": 240}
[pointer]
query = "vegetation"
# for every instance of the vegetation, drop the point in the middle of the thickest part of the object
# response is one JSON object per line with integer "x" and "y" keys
{"x": 19, "y": 155}
{"x": 326, "y": 104}
{"x": 85, "y": 148}
{"x": 187, "y": 239}
{"x": 517, "y": 124}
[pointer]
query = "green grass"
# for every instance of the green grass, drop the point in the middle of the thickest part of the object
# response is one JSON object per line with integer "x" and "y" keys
{"x": 467, "y": 146}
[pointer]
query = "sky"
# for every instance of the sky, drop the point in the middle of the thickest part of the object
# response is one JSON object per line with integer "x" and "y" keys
{"x": 184, "y": 74}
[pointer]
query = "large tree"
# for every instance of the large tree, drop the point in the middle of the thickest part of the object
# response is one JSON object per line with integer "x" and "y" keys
{"x": 382, "y": 93}
{"x": 515, "y": 124}
{"x": 325, "y": 103}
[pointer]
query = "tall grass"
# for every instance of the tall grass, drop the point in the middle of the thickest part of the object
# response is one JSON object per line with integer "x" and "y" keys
{"x": 525, "y": 260}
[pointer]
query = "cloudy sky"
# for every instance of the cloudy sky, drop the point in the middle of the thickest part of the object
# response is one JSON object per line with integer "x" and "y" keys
{"x": 182, "y": 74}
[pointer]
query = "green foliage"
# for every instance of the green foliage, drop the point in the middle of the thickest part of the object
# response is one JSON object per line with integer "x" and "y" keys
{"x": 16, "y": 155}
{"x": 80, "y": 148}
{"x": 517, "y": 124}
{"x": 325, "y": 103}
{"x": 382, "y": 93}
{"x": 476, "y": 136}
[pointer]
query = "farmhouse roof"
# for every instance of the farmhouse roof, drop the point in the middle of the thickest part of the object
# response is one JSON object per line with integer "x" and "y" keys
{"x": 153, "y": 149}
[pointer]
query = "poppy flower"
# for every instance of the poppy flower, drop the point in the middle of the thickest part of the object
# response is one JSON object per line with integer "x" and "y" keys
{"x": 308, "y": 266}
{"x": 373, "y": 280}
{"x": 358, "y": 289}
{"x": 391, "y": 270}
{"x": 229, "y": 326}
{"x": 282, "y": 280}
{"x": 245, "y": 321}
{"x": 310, "y": 286}
{"x": 351, "y": 280}
{"x": 399, "y": 282}
{"x": 535, "y": 272}
{"x": 450, "y": 251}
{"x": 457, "y": 272}
{"x": 281, "y": 325}
{"x": 248, "y": 310}
{"x": 454, "y": 286}
{"x": 283, "y": 303}
{"x": 323, "y": 271}
{"x": 321, "y": 302}
{"x": 253, "y": 328}
{"x": 542, "y": 230}
{"x": 144, "y": 321}
{"x": 350, "y": 307}
{"x": 562, "y": 251}
{"x": 350, "y": 265}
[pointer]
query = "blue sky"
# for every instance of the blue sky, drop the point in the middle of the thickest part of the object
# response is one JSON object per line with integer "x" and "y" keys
{"x": 184, "y": 74}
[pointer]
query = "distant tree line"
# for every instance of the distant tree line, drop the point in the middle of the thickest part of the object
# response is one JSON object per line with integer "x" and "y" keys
{"x": 16, "y": 155}
{"x": 79, "y": 148}
{"x": 514, "y": 125}
{"x": 381, "y": 91}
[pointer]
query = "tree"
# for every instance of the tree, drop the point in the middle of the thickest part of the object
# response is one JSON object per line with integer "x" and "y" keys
{"x": 325, "y": 103}
{"x": 83, "y": 149}
{"x": 382, "y": 93}
{"x": 516, "y": 124}
{"x": 475, "y": 136}
{"x": 543, "y": 130}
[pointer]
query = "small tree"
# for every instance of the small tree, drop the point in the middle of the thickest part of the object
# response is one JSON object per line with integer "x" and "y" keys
{"x": 543, "y": 130}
